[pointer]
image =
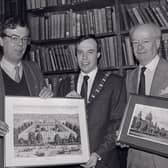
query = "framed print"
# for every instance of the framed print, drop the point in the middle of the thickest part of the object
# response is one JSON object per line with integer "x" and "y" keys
{"x": 45, "y": 132}
{"x": 145, "y": 124}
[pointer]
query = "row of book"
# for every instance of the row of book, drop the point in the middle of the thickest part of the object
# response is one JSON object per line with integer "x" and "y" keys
{"x": 2, "y": 9}
{"x": 54, "y": 58}
{"x": 40, "y": 4}
{"x": 164, "y": 45}
{"x": 109, "y": 56}
{"x": 128, "y": 57}
{"x": 54, "y": 81}
{"x": 63, "y": 57}
{"x": 155, "y": 11}
{"x": 70, "y": 24}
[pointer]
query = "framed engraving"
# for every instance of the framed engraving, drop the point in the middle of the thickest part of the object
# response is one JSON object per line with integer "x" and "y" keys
{"x": 145, "y": 124}
{"x": 45, "y": 132}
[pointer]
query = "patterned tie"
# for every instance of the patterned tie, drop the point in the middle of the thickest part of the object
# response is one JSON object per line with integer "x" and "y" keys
{"x": 17, "y": 76}
{"x": 142, "y": 82}
{"x": 84, "y": 87}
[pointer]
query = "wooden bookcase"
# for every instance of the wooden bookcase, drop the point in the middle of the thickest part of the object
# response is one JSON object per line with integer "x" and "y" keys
{"x": 142, "y": 11}
{"x": 55, "y": 26}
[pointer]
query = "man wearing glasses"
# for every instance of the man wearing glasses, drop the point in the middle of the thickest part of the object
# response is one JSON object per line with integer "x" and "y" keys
{"x": 149, "y": 78}
{"x": 17, "y": 77}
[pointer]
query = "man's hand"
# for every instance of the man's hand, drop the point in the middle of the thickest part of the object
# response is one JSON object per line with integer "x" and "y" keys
{"x": 3, "y": 128}
{"x": 121, "y": 145}
{"x": 73, "y": 94}
{"x": 91, "y": 162}
{"x": 46, "y": 92}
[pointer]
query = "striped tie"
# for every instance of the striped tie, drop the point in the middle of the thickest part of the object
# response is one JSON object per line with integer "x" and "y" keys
{"x": 17, "y": 76}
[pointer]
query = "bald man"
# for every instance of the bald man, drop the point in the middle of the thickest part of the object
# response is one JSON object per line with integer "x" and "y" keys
{"x": 145, "y": 40}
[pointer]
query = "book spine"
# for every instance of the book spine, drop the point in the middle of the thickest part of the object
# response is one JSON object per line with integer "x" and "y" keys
{"x": 137, "y": 15}
{"x": 124, "y": 18}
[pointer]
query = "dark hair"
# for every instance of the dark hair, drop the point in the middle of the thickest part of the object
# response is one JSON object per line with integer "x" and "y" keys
{"x": 12, "y": 23}
{"x": 90, "y": 36}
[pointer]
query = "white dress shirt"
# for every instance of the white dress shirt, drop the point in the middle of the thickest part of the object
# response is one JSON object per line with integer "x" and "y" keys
{"x": 149, "y": 74}
{"x": 9, "y": 68}
{"x": 91, "y": 75}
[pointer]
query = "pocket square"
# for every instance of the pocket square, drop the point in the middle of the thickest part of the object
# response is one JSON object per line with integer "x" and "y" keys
{"x": 164, "y": 91}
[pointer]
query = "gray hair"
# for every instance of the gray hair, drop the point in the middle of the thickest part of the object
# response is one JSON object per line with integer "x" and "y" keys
{"x": 151, "y": 26}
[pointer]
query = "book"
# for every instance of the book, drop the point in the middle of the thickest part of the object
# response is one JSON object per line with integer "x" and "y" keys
{"x": 131, "y": 15}
{"x": 112, "y": 51}
{"x": 162, "y": 17}
{"x": 125, "y": 55}
{"x": 137, "y": 15}
{"x": 109, "y": 23}
{"x": 57, "y": 56}
{"x": 51, "y": 56}
{"x": 152, "y": 17}
{"x": 54, "y": 57}
{"x": 129, "y": 51}
{"x": 114, "y": 22}
{"x": 145, "y": 14}
{"x": 124, "y": 18}
{"x": 159, "y": 19}
{"x": 67, "y": 24}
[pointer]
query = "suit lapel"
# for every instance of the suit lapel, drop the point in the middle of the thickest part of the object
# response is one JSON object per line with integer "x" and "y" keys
{"x": 158, "y": 79}
{"x": 29, "y": 77}
{"x": 134, "y": 81}
{"x": 98, "y": 84}
{"x": 2, "y": 94}
{"x": 76, "y": 81}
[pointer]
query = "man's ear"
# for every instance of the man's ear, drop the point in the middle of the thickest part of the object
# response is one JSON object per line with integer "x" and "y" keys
{"x": 98, "y": 55}
{"x": 1, "y": 41}
{"x": 158, "y": 43}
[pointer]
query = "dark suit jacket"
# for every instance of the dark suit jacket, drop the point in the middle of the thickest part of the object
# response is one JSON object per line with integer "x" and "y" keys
{"x": 34, "y": 82}
{"x": 159, "y": 88}
{"x": 104, "y": 113}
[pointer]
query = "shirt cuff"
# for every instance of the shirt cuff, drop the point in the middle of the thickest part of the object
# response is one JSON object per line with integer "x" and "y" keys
{"x": 97, "y": 156}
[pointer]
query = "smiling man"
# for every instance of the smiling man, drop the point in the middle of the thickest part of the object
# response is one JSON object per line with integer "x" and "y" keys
{"x": 149, "y": 78}
{"x": 105, "y": 97}
{"x": 17, "y": 77}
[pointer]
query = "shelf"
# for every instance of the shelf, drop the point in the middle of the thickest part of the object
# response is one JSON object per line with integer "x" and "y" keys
{"x": 68, "y": 40}
{"x": 129, "y": 67}
{"x": 75, "y": 7}
{"x": 126, "y": 32}
{"x": 60, "y": 72}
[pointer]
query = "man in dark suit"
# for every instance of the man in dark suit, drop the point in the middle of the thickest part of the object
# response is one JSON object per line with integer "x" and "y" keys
{"x": 105, "y": 101}
{"x": 146, "y": 43}
{"x": 17, "y": 77}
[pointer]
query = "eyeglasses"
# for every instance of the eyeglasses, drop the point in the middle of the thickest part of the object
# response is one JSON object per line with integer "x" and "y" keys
{"x": 16, "y": 39}
{"x": 144, "y": 42}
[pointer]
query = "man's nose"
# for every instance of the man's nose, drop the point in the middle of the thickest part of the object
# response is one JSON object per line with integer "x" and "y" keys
{"x": 20, "y": 42}
{"x": 84, "y": 56}
{"x": 140, "y": 46}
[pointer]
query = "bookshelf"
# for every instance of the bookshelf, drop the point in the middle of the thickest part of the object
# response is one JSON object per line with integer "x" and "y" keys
{"x": 56, "y": 25}
{"x": 59, "y": 25}
{"x": 142, "y": 11}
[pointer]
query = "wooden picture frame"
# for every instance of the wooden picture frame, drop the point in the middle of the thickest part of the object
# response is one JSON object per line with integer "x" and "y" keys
{"x": 145, "y": 124}
{"x": 45, "y": 132}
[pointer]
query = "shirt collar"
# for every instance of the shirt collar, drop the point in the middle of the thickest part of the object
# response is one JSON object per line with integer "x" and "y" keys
{"x": 91, "y": 74}
{"x": 151, "y": 66}
{"x": 9, "y": 67}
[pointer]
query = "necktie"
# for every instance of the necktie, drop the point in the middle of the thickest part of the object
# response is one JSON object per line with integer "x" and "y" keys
{"x": 17, "y": 76}
{"x": 142, "y": 82}
{"x": 84, "y": 87}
